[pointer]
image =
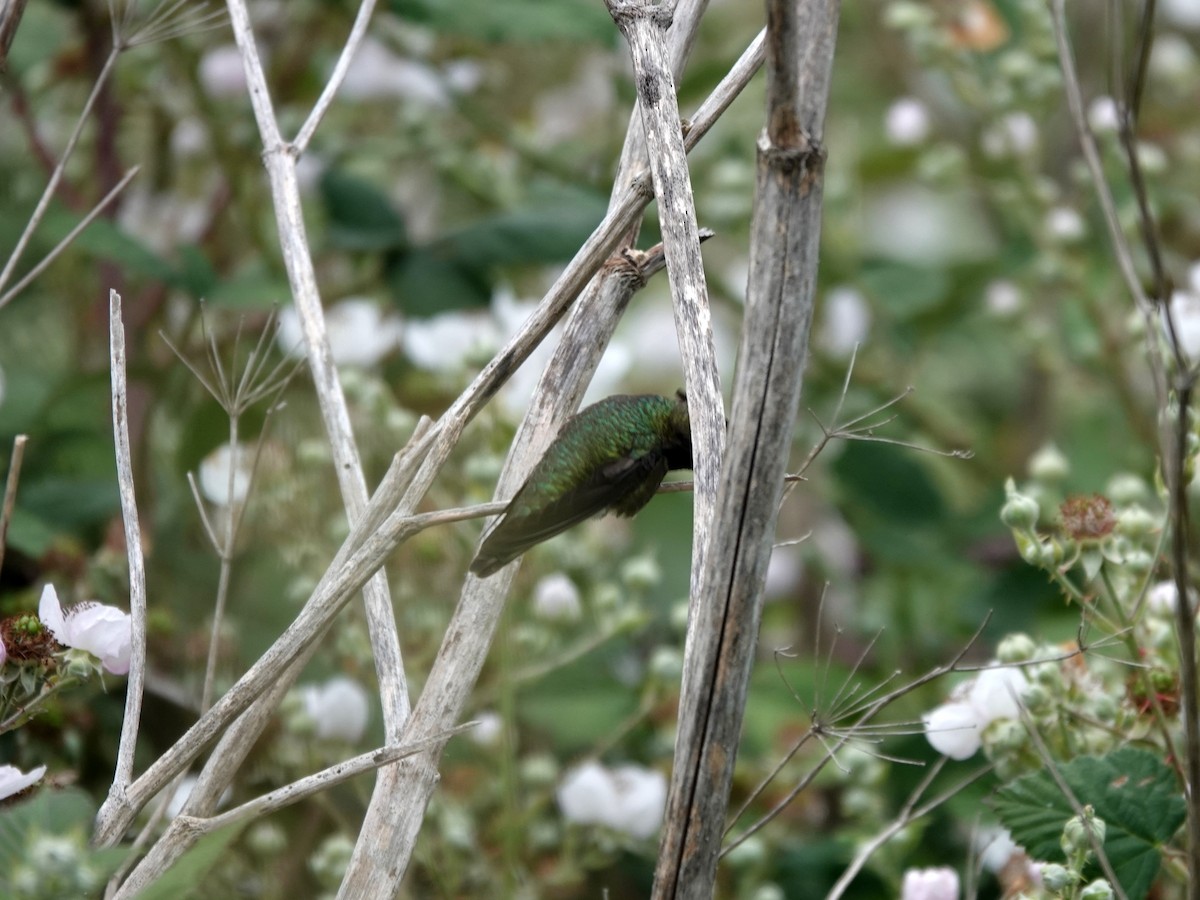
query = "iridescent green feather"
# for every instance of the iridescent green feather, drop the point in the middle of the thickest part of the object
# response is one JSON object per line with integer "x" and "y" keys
{"x": 612, "y": 455}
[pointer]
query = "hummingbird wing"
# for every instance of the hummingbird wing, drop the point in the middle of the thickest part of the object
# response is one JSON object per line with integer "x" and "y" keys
{"x": 523, "y": 524}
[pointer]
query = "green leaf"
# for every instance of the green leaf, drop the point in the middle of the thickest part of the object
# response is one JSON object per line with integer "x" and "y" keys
{"x": 888, "y": 481}
{"x": 66, "y": 813}
{"x": 904, "y": 290}
{"x": 186, "y": 876}
{"x": 50, "y": 812}
{"x": 254, "y": 289}
{"x": 103, "y": 239}
{"x": 516, "y": 21}
{"x": 361, "y": 216}
{"x": 424, "y": 284}
{"x": 549, "y": 231}
{"x": 1133, "y": 791}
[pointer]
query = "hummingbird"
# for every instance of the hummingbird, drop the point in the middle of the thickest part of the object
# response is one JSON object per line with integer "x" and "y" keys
{"x": 612, "y": 455}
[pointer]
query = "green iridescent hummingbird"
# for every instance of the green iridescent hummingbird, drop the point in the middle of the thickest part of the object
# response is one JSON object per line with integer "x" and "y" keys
{"x": 612, "y": 455}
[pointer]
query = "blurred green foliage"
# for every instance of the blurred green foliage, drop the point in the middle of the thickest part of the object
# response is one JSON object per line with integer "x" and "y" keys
{"x": 468, "y": 162}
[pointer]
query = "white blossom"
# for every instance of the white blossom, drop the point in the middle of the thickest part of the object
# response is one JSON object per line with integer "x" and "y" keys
{"x": 222, "y": 73}
{"x": 1185, "y": 315}
{"x": 930, "y": 884}
{"x": 376, "y": 73}
{"x": 13, "y": 780}
{"x": 1064, "y": 224}
{"x": 906, "y": 122}
{"x": 1002, "y": 298}
{"x": 339, "y": 708}
{"x": 1015, "y": 134}
{"x": 1181, "y": 13}
{"x": 629, "y": 798}
{"x": 556, "y": 597}
{"x": 214, "y": 474}
{"x": 488, "y": 728}
{"x": 445, "y": 342}
{"x": 360, "y": 332}
{"x": 1173, "y": 60}
{"x": 103, "y": 631}
{"x": 845, "y": 321}
{"x": 1103, "y": 115}
{"x": 955, "y": 727}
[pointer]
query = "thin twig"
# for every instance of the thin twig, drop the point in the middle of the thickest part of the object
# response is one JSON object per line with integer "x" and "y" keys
{"x": 62, "y": 245}
{"x": 358, "y": 31}
{"x": 1051, "y": 767}
{"x": 133, "y": 549}
{"x": 10, "y": 490}
{"x": 43, "y": 204}
{"x": 908, "y": 814}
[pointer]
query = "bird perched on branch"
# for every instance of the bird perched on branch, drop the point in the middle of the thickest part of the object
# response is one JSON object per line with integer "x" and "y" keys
{"x": 612, "y": 455}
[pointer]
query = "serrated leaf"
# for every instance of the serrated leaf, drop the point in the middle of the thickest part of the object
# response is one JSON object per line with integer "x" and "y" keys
{"x": 360, "y": 215}
{"x": 1133, "y": 791}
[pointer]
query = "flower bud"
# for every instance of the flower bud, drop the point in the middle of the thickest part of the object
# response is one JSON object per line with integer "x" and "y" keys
{"x": 1097, "y": 890}
{"x": 1136, "y": 521}
{"x": 1057, "y": 877}
{"x": 1075, "y": 836}
{"x": 1016, "y": 648}
{"x": 1049, "y": 465}
{"x": 1020, "y": 512}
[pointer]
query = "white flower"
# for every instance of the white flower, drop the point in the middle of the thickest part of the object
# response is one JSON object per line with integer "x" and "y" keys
{"x": 628, "y": 798}
{"x": 930, "y": 884}
{"x": 214, "y": 474}
{"x": 955, "y": 727}
{"x": 189, "y": 138}
{"x": 445, "y": 342}
{"x": 1002, "y": 298}
{"x": 1103, "y": 115}
{"x": 339, "y": 707}
{"x": 222, "y": 73}
{"x": 377, "y": 73}
{"x": 845, "y": 321}
{"x": 13, "y": 780}
{"x": 906, "y": 122}
{"x": 556, "y": 597}
{"x": 1162, "y": 598}
{"x": 1182, "y": 13}
{"x": 1064, "y": 225}
{"x": 784, "y": 571}
{"x": 995, "y": 847}
{"x": 1172, "y": 60}
{"x": 103, "y": 631}
{"x": 1193, "y": 277}
{"x": 163, "y": 221}
{"x": 920, "y": 226}
{"x": 1185, "y": 314}
{"x": 1015, "y": 134}
{"x": 488, "y": 729}
{"x": 359, "y": 332}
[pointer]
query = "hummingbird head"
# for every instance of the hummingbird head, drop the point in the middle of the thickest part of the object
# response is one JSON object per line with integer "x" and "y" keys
{"x": 679, "y": 442}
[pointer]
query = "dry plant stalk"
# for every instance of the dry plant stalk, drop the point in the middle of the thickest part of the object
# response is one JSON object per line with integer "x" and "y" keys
{"x": 726, "y": 609}
{"x": 237, "y": 718}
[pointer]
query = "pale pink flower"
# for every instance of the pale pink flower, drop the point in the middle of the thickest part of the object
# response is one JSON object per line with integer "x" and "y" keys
{"x": 103, "y": 631}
